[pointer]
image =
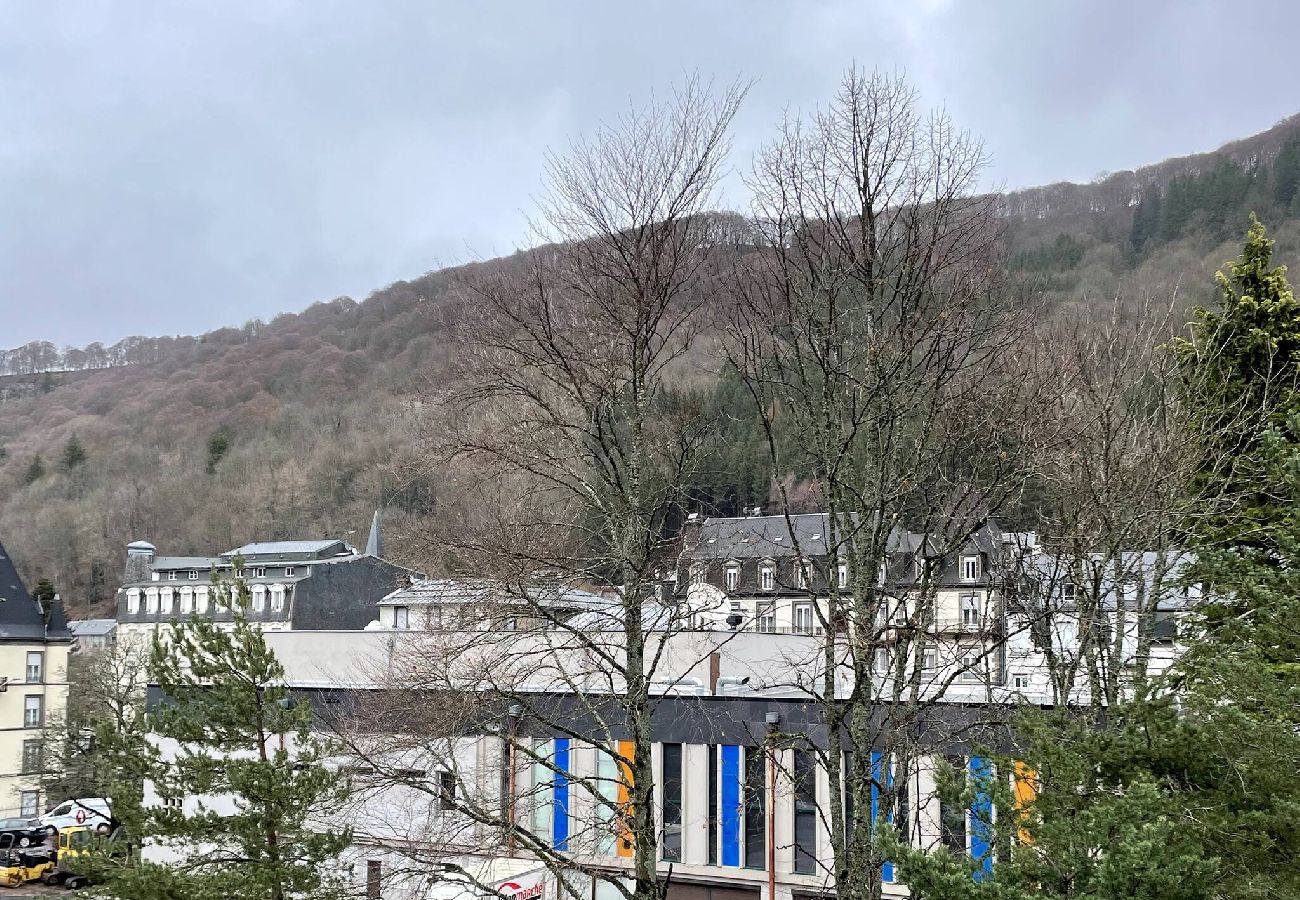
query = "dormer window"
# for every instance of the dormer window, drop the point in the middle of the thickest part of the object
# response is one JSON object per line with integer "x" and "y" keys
{"x": 194, "y": 576}
{"x": 766, "y": 578}
{"x": 732, "y": 577}
{"x": 172, "y": 576}
{"x": 801, "y": 574}
{"x": 697, "y": 574}
{"x": 239, "y": 573}
{"x": 842, "y": 575}
{"x": 970, "y": 568}
{"x": 288, "y": 571}
{"x": 1068, "y": 592}
{"x": 259, "y": 573}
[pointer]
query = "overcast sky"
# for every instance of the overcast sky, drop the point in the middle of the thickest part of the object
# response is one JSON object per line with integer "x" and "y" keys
{"x": 173, "y": 167}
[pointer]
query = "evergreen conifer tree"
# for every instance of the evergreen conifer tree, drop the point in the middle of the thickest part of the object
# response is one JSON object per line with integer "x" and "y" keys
{"x": 230, "y": 735}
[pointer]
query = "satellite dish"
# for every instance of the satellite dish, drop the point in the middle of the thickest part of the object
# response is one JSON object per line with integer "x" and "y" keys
{"x": 708, "y": 605}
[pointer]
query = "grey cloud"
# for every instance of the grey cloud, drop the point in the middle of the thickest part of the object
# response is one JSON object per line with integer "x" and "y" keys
{"x": 171, "y": 168}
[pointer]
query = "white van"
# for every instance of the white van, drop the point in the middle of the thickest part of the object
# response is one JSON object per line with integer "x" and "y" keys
{"x": 84, "y": 811}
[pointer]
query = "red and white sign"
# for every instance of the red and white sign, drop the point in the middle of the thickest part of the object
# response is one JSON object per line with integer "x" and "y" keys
{"x": 513, "y": 890}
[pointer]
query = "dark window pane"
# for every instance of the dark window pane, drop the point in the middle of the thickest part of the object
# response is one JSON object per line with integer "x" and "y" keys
{"x": 672, "y": 814}
{"x": 805, "y": 812}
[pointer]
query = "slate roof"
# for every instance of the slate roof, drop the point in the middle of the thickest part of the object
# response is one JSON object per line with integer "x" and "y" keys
{"x": 769, "y": 537}
{"x": 187, "y": 562}
{"x": 446, "y": 591}
{"x": 92, "y": 627}
{"x": 21, "y": 618}
{"x": 342, "y": 595}
{"x": 283, "y": 548}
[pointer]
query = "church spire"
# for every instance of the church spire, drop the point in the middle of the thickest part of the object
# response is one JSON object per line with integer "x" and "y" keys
{"x": 375, "y": 545}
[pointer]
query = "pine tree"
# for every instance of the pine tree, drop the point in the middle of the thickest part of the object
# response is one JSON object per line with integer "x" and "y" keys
{"x": 1190, "y": 791}
{"x": 35, "y": 470}
{"x": 1241, "y": 370}
{"x": 74, "y": 455}
{"x": 229, "y": 731}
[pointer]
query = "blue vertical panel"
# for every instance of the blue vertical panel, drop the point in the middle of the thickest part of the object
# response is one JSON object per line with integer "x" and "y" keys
{"x": 981, "y": 818}
{"x": 560, "y": 796}
{"x": 730, "y": 805}
{"x": 879, "y": 777}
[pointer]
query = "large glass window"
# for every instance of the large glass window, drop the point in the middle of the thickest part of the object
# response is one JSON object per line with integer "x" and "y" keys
{"x": 803, "y": 618}
{"x": 672, "y": 805}
{"x": 805, "y": 811}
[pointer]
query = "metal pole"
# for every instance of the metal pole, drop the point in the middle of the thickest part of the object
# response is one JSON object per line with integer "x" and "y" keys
{"x": 512, "y": 731}
{"x": 772, "y": 719}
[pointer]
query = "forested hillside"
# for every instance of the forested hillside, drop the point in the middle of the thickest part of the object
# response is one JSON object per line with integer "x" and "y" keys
{"x": 302, "y": 426}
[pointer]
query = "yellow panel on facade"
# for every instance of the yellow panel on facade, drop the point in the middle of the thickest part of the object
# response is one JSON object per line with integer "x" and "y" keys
{"x": 1024, "y": 790}
{"x": 626, "y": 749}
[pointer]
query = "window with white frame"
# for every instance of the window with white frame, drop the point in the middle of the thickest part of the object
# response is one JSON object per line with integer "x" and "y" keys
{"x": 929, "y": 659}
{"x": 970, "y": 568}
{"x": 1020, "y": 681}
{"x": 187, "y": 600}
{"x": 697, "y": 574}
{"x": 402, "y": 618}
{"x": 732, "y": 577}
{"x": 766, "y": 578}
{"x": 842, "y": 576}
{"x": 288, "y": 571}
{"x": 259, "y": 598}
{"x": 239, "y": 573}
{"x": 259, "y": 573}
{"x": 194, "y": 576}
{"x": 132, "y": 601}
{"x": 33, "y": 711}
{"x": 165, "y": 601}
{"x": 765, "y": 617}
{"x": 201, "y": 600}
{"x": 1068, "y": 592}
{"x": 35, "y": 667}
{"x": 882, "y": 660}
{"x": 972, "y": 664}
{"x": 277, "y": 598}
{"x": 970, "y": 610}
{"x": 151, "y": 601}
{"x": 172, "y": 576}
{"x": 803, "y": 618}
{"x": 801, "y": 574}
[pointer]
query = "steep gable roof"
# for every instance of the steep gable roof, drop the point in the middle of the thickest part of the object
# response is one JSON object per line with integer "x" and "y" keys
{"x": 20, "y": 616}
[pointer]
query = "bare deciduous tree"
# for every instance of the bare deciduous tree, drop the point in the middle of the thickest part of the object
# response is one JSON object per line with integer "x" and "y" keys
{"x": 892, "y": 365}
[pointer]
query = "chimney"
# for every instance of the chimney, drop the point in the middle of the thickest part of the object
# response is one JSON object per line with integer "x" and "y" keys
{"x": 139, "y": 561}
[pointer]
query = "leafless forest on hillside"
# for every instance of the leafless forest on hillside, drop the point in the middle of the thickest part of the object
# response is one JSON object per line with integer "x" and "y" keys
{"x": 302, "y": 426}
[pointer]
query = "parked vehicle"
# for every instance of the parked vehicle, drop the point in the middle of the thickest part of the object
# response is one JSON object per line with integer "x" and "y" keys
{"x": 83, "y": 811}
{"x": 83, "y": 853}
{"x": 18, "y": 867}
{"x": 25, "y": 832}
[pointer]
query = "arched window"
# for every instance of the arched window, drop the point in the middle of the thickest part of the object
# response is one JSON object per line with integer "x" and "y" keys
{"x": 165, "y": 601}
{"x": 187, "y": 600}
{"x": 132, "y": 601}
{"x": 277, "y": 598}
{"x": 259, "y": 597}
{"x": 151, "y": 601}
{"x": 201, "y": 600}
